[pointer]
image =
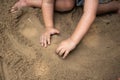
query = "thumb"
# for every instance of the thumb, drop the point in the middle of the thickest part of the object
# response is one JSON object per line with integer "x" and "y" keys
{"x": 56, "y": 31}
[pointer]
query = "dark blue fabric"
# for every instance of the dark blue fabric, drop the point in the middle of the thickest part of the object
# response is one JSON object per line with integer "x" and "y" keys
{"x": 81, "y": 2}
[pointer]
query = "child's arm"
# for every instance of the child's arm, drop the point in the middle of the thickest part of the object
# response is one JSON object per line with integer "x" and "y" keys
{"x": 87, "y": 19}
{"x": 90, "y": 9}
{"x": 48, "y": 12}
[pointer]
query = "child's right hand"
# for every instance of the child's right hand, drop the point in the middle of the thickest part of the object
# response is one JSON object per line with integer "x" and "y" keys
{"x": 45, "y": 37}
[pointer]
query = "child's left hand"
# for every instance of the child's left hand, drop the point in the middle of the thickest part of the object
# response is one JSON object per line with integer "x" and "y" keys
{"x": 46, "y": 36}
{"x": 65, "y": 47}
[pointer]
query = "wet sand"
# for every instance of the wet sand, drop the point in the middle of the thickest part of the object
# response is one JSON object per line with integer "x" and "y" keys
{"x": 97, "y": 57}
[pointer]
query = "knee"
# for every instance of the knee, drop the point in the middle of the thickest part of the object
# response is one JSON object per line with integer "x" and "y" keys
{"x": 26, "y": 1}
{"x": 65, "y": 5}
{"x": 69, "y": 5}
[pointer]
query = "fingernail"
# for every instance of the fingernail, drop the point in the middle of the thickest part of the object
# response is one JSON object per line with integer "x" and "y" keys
{"x": 49, "y": 43}
{"x": 63, "y": 57}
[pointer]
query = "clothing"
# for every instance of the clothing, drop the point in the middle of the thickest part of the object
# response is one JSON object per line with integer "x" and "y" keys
{"x": 81, "y": 2}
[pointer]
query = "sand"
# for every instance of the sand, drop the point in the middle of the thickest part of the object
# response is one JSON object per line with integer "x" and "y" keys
{"x": 97, "y": 57}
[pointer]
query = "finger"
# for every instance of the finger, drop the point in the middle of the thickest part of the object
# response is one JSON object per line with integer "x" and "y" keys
{"x": 40, "y": 39}
{"x": 65, "y": 55}
{"x": 13, "y": 11}
{"x": 42, "y": 44}
{"x": 14, "y": 8}
{"x": 48, "y": 40}
{"x": 45, "y": 42}
{"x": 57, "y": 31}
{"x": 61, "y": 52}
{"x": 58, "y": 49}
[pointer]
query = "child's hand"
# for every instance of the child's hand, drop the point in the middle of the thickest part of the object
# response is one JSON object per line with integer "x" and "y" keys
{"x": 65, "y": 47}
{"x": 45, "y": 38}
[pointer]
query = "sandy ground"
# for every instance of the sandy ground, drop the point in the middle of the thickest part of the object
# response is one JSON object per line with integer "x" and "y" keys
{"x": 97, "y": 57}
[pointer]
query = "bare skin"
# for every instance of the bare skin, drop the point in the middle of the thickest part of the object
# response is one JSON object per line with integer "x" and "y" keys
{"x": 91, "y": 8}
{"x": 118, "y": 78}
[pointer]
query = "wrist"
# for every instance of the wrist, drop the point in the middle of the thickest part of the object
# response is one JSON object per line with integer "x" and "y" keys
{"x": 49, "y": 28}
{"x": 77, "y": 38}
{"x": 72, "y": 40}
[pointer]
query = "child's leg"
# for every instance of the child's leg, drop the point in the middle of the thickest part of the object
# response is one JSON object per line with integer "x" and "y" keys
{"x": 35, "y": 3}
{"x": 64, "y": 5}
{"x": 60, "y": 5}
{"x": 23, "y": 3}
{"x": 113, "y": 6}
